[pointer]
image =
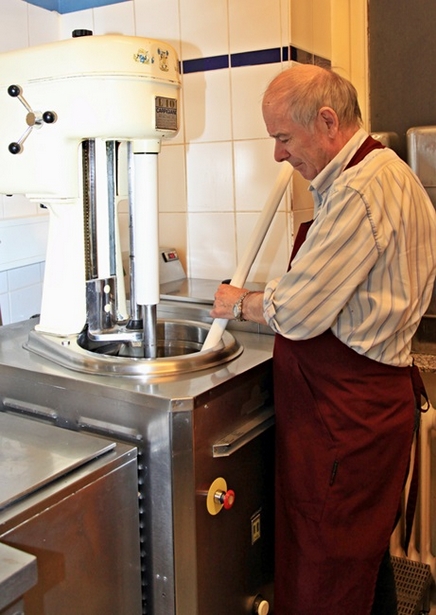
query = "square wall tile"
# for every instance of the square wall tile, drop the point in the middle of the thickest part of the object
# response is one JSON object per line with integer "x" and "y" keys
{"x": 3, "y": 282}
{"x": 358, "y": 56}
{"x": 273, "y": 256}
{"x": 203, "y": 28}
{"x": 340, "y": 28}
{"x": 14, "y": 33}
{"x": 23, "y": 277}
{"x": 302, "y": 24}
{"x": 211, "y": 246}
{"x": 300, "y": 216}
{"x": 115, "y": 19}
{"x": 173, "y": 233}
{"x": 254, "y": 25}
{"x": 160, "y": 21}
{"x": 25, "y": 303}
{"x": 172, "y": 179}
{"x": 44, "y": 26}
{"x": 302, "y": 198}
{"x": 206, "y": 104}
{"x": 322, "y": 42}
{"x": 210, "y": 177}
{"x": 5, "y": 311}
{"x": 79, "y": 20}
{"x": 248, "y": 86}
{"x": 285, "y": 20}
{"x": 255, "y": 174}
{"x": 18, "y": 205}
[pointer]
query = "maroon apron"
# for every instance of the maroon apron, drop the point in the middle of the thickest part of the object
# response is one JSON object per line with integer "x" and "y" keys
{"x": 344, "y": 426}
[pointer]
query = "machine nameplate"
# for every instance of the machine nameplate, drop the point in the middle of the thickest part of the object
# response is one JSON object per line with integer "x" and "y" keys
{"x": 166, "y": 113}
{"x": 255, "y": 527}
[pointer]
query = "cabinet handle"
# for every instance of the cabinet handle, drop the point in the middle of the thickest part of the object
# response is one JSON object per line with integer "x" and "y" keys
{"x": 243, "y": 435}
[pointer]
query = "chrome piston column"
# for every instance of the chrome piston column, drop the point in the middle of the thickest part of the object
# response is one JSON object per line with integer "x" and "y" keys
{"x": 105, "y": 296}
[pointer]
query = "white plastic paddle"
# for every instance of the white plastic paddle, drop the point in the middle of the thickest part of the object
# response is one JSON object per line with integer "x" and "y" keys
{"x": 239, "y": 277}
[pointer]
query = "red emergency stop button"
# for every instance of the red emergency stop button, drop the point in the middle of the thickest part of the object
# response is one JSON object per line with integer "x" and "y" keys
{"x": 228, "y": 499}
{"x": 219, "y": 496}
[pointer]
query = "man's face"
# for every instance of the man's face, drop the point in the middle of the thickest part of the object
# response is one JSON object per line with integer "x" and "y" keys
{"x": 307, "y": 150}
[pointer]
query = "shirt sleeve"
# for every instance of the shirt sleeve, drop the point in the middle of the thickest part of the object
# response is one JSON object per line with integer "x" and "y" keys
{"x": 340, "y": 249}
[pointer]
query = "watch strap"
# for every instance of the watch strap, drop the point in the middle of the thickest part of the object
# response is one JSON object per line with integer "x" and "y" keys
{"x": 237, "y": 308}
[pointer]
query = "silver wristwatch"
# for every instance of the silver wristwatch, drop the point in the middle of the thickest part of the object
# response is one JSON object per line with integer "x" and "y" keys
{"x": 237, "y": 308}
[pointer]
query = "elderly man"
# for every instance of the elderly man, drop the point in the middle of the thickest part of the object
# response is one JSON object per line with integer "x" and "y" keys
{"x": 360, "y": 278}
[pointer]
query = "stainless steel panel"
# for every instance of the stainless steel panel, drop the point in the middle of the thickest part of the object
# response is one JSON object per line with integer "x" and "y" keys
{"x": 243, "y": 435}
{"x": 216, "y": 563}
{"x": 83, "y": 528}
{"x": 30, "y": 457}
{"x": 389, "y": 139}
{"x": 177, "y": 349}
{"x": 421, "y": 154}
{"x": 174, "y": 421}
{"x": 235, "y": 548}
{"x": 18, "y": 574}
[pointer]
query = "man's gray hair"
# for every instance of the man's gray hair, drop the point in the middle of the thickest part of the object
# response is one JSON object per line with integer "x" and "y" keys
{"x": 305, "y": 88}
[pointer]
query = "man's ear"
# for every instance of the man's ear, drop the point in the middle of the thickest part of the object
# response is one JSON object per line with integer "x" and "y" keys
{"x": 328, "y": 120}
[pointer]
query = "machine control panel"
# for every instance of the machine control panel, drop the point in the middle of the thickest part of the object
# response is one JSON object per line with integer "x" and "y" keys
{"x": 170, "y": 267}
{"x": 170, "y": 255}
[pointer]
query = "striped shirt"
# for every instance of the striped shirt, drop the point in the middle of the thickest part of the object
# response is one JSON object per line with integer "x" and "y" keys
{"x": 367, "y": 267}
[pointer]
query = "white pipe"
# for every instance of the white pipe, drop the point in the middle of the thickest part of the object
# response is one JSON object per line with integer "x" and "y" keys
{"x": 146, "y": 229}
{"x": 102, "y": 210}
{"x": 398, "y": 535}
{"x": 239, "y": 277}
{"x": 420, "y": 547}
{"x": 428, "y": 424}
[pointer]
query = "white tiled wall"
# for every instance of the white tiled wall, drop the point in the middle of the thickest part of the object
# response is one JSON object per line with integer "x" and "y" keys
{"x": 215, "y": 176}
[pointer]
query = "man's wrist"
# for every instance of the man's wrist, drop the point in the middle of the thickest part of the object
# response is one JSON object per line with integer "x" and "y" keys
{"x": 238, "y": 307}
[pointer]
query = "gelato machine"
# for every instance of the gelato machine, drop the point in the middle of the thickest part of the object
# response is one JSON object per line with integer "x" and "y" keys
{"x": 82, "y": 122}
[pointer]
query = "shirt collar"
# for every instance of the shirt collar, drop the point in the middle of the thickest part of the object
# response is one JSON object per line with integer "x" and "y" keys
{"x": 331, "y": 172}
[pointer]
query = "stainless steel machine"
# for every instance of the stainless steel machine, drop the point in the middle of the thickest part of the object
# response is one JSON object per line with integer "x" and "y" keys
{"x": 81, "y": 125}
{"x": 63, "y": 496}
{"x": 421, "y": 147}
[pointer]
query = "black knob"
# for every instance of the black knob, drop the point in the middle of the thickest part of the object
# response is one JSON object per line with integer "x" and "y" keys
{"x": 134, "y": 324}
{"x": 14, "y": 90}
{"x": 79, "y": 33}
{"x": 49, "y": 117}
{"x": 14, "y": 148}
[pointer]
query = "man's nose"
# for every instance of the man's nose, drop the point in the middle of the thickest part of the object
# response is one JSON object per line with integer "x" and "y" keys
{"x": 280, "y": 152}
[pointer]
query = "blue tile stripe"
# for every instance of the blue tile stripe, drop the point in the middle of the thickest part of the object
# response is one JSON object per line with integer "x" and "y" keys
{"x": 253, "y": 58}
{"x": 203, "y": 64}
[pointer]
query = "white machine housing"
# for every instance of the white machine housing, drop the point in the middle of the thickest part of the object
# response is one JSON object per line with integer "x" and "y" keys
{"x": 102, "y": 88}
